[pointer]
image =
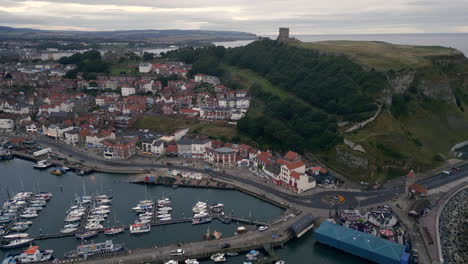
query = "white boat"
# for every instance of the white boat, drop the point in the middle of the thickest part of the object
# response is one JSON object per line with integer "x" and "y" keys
{"x": 28, "y": 215}
{"x": 200, "y": 215}
{"x": 139, "y": 228}
{"x": 145, "y": 217}
{"x": 68, "y": 230}
{"x": 72, "y": 225}
{"x": 31, "y": 255}
{"x": 171, "y": 262}
{"x": 42, "y": 164}
{"x": 114, "y": 230}
{"x": 145, "y": 214}
{"x": 94, "y": 226}
{"x": 142, "y": 221}
{"x": 217, "y": 258}
{"x": 17, "y": 242}
{"x": 165, "y": 219}
{"x": 24, "y": 223}
{"x": 163, "y": 215}
{"x": 165, "y": 208}
{"x": 17, "y": 227}
{"x": 191, "y": 261}
{"x": 72, "y": 218}
{"x": 16, "y": 236}
{"x": 104, "y": 201}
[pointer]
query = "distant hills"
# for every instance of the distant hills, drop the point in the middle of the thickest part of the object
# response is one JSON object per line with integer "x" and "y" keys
{"x": 172, "y": 35}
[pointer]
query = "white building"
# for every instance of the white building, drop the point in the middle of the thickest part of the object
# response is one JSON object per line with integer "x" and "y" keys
{"x": 145, "y": 67}
{"x": 156, "y": 147}
{"x": 126, "y": 91}
{"x": 7, "y": 125}
{"x": 72, "y": 137}
{"x": 56, "y": 131}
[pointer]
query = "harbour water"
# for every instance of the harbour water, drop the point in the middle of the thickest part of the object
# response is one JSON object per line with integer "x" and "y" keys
{"x": 19, "y": 175}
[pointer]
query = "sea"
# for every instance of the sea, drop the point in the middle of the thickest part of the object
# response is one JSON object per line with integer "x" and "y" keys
{"x": 457, "y": 41}
{"x": 19, "y": 175}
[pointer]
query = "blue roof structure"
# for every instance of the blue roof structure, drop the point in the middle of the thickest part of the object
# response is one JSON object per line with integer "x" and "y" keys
{"x": 361, "y": 244}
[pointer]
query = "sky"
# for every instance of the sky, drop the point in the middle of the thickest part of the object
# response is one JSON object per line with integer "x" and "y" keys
{"x": 262, "y": 17}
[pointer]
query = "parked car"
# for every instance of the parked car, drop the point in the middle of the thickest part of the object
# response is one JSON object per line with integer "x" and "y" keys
{"x": 226, "y": 245}
{"x": 456, "y": 169}
{"x": 177, "y": 252}
{"x": 263, "y": 228}
{"x": 446, "y": 172}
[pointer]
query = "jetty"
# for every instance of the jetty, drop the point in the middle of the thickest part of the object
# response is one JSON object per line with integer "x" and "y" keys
{"x": 276, "y": 236}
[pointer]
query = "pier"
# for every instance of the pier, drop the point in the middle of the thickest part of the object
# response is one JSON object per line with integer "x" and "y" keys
{"x": 57, "y": 163}
{"x": 276, "y": 236}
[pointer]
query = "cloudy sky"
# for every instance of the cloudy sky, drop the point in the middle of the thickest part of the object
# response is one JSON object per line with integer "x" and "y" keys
{"x": 256, "y": 16}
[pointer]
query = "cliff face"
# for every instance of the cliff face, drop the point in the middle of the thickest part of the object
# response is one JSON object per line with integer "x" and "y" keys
{"x": 438, "y": 81}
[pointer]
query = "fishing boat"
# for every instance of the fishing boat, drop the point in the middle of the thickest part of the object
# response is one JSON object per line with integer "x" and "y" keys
{"x": 140, "y": 228}
{"x": 217, "y": 235}
{"x": 202, "y": 220}
{"x": 114, "y": 230}
{"x": 31, "y": 255}
{"x": 16, "y": 236}
{"x": 5, "y": 154}
{"x": 94, "y": 249}
{"x": 42, "y": 164}
{"x": 17, "y": 242}
{"x": 86, "y": 234}
{"x": 57, "y": 172}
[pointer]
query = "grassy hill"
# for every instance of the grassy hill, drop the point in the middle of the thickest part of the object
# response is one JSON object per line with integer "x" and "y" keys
{"x": 384, "y": 56}
{"x": 422, "y": 118}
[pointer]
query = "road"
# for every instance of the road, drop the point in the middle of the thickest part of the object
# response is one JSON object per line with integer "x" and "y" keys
{"x": 353, "y": 199}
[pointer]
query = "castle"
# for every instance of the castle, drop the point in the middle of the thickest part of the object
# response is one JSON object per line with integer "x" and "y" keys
{"x": 284, "y": 36}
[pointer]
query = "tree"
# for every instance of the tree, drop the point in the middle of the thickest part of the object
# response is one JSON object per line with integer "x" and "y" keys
{"x": 148, "y": 56}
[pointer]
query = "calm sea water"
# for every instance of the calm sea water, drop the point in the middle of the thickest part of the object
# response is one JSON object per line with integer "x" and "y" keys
{"x": 457, "y": 41}
{"x": 18, "y": 175}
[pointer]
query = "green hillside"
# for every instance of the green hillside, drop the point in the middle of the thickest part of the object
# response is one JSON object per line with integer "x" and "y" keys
{"x": 384, "y": 56}
{"x": 306, "y": 96}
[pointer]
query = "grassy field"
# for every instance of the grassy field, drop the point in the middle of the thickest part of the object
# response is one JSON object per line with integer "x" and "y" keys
{"x": 169, "y": 124}
{"x": 383, "y": 56}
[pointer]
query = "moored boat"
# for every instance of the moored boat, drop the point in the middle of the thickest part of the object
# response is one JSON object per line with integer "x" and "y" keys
{"x": 86, "y": 234}
{"x": 57, "y": 172}
{"x": 140, "y": 228}
{"x": 42, "y": 164}
{"x": 114, "y": 230}
{"x": 94, "y": 249}
{"x": 31, "y": 255}
{"x": 16, "y": 236}
{"x": 201, "y": 220}
{"x": 17, "y": 242}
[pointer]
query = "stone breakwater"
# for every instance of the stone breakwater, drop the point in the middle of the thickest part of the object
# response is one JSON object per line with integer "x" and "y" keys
{"x": 454, "y": 229}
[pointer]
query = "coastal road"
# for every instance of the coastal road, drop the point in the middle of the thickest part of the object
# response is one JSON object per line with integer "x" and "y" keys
{"x": 313, "y": 201}
{"x": 353, "y": 198}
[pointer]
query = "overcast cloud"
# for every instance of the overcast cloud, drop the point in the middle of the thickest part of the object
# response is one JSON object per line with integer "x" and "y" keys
{"x": 256, "y": 16}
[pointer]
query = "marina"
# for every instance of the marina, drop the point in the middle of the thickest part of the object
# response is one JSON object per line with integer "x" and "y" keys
{"x": 46, "y": 227}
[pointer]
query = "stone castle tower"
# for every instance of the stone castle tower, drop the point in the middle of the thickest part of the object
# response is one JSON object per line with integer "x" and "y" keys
{"x": 284, "y": 36}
